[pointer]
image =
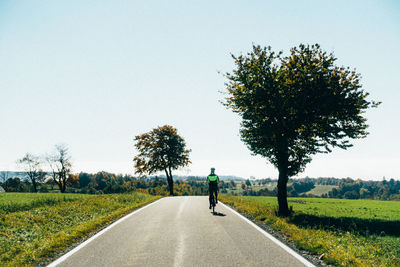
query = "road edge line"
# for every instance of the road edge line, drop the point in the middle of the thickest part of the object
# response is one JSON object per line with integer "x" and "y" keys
{"x": 272, "y": 238}
{"x": 87, "y": 241}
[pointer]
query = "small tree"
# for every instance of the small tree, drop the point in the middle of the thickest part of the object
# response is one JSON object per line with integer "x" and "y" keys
{"x": 60, "y": 165}
{"x": 294, "y": 107}
{"x": 31, "y": 165}
{"x": 4, "y": 175}
{"x": 161, "y": 149}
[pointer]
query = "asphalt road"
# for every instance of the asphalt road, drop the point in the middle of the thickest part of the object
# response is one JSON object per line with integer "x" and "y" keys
{"x": 181, "y": 231}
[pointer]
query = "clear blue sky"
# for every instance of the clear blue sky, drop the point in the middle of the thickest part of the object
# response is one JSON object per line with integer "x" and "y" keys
{"x": 93, "y": 74}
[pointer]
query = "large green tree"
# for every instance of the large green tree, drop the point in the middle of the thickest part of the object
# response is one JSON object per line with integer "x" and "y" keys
{"x": 161, "y": 149}
{"x": 295, "y": 106}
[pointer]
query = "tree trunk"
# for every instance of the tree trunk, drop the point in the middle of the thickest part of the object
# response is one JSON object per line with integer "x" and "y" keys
{"x": 171, "y": 186}
{"x": 283, "y": 165}
{"x": 59, "y": 185}
{"x": 282, "y": 193}
{"x": 34, "y": 185}
{"x": 170, "y": 182}
{"x": 64, "y": 183}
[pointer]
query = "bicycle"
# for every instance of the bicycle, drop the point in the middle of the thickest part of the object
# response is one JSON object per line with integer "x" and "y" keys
{"x": 213, "y": 204}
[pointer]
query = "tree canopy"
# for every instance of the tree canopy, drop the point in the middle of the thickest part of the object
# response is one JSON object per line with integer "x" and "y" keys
{"x": 295, "y": 106}
{"x": 161, "y": 149}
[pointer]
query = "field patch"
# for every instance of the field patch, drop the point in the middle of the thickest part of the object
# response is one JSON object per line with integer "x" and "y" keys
{"x": 319, "y": 190}
{"x": 343, "y": 232}
{"x": 34, "y": 227}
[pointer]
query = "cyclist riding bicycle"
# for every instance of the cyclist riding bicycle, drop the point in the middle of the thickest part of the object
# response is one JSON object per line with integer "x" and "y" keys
{"x": 212, "y": 181}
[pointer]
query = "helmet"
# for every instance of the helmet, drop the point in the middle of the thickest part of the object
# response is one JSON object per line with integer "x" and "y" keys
{"x": 212, "y": 169}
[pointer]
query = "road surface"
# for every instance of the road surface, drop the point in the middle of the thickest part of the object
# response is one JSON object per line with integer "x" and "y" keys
{"x": 181, "y": 231}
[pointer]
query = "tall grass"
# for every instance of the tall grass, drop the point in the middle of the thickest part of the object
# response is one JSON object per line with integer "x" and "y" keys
{"x": 11, "y": 202}
{"x": 40, "y": 225}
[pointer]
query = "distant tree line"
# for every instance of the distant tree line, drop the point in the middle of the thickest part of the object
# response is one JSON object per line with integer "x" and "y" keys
{"x": 294, "y": 189}
{"x": 359, "y": 189}
{"x": 299, "y": 187}
{"x": 324, "y": 180}
{"x": 347, "y": 188}
{"x": 107, "y": 183}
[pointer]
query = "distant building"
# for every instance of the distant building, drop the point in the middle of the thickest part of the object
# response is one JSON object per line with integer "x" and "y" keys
{"x": 2, "y": 189}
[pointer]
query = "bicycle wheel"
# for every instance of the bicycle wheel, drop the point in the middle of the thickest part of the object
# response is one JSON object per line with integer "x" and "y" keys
{"x": 212, "y": 202}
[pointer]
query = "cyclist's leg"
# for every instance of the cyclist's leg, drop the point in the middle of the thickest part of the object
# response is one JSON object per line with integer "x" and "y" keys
{"x": 210, "y": 192}
{"x": 216, "y": 195}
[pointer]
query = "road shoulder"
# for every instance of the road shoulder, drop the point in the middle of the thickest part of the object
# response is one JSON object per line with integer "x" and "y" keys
{"x": 305, "y": 254}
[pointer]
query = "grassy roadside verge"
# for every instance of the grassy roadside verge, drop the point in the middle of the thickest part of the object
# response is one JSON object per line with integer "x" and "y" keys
{"x": 40, "y": 226}
{"x": 342, "y": 232}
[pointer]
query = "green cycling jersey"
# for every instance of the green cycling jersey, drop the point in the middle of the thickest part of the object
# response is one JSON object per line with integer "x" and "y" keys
{"x": 213, "y": 179}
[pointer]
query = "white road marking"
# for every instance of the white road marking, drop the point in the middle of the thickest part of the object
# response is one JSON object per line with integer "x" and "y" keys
{"x": 178, "y": 260}
{"x": 180, "y": 246}
{"x": 181, "y": 206}
{"x": 67, "y": 255}
{"x": 276, "y": 241}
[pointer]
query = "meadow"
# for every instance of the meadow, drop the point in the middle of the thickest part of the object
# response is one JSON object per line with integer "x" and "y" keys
{"x": 11, "y": 202}
{"x": 341, "y": 232}
{"x": 34, "y": 227}
{"x": 319, "y": 190}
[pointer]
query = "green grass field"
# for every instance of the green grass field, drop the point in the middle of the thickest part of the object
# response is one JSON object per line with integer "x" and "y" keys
{"x": 11, "y": 202}
{"x": 339, "y": 208}
{"x": 34, "y": 227}
{"x": 345, "y": 232}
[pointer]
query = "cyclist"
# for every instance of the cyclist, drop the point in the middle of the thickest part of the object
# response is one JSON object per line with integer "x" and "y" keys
{"x": 213, "y": 181}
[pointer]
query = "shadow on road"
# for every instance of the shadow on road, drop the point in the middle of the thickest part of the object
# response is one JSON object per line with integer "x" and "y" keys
{"x": 218, "y": 214}
{"x": 361, "y": 226}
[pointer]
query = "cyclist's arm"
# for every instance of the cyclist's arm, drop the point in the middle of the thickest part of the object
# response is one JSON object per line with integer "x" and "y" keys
{"x": 217, "y": 179}
{"x": 208, "y": 181}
